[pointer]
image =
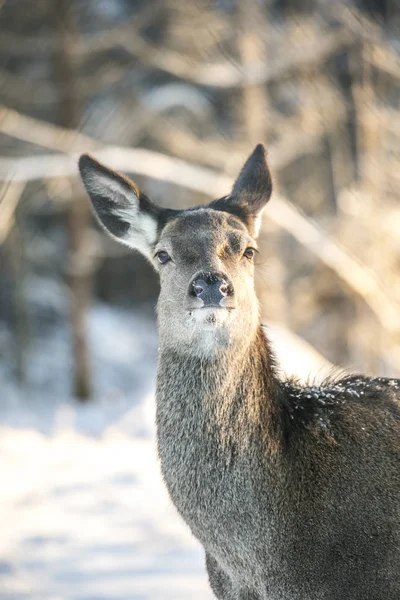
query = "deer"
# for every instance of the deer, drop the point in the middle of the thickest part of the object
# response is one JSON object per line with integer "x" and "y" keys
{"x": 291, "y": 488}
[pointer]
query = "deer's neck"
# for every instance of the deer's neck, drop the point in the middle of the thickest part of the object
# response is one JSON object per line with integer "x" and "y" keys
{"x": 217, "y": 421}
{"x": 222, "y": 405}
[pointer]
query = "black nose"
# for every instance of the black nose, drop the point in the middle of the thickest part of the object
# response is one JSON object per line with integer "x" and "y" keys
{"x": 211, "y": 288}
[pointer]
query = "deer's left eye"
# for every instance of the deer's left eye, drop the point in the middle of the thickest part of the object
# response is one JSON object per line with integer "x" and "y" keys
{"x": 163, "y": 257}
{"x": 249, "y": 253}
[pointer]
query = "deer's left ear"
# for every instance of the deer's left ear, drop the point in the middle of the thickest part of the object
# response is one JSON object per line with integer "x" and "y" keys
{"x": 251, "y": 191}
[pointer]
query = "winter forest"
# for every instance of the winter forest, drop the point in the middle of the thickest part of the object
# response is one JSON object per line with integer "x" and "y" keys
{"x": 176, "y": 95}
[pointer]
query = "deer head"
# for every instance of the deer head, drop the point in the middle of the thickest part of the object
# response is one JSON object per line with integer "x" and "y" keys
{"x": 204, "y": 255}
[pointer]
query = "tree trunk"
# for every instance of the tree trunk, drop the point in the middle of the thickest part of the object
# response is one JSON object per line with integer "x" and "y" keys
{"x": 80, "y": 276}
{"x": 254, "y": 110}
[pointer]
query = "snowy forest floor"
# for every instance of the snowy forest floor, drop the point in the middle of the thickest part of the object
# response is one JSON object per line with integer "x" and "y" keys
{"x": 83, "y": 510}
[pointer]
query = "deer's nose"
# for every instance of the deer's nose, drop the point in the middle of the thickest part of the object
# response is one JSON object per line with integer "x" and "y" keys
{"x": 211, "y": 288}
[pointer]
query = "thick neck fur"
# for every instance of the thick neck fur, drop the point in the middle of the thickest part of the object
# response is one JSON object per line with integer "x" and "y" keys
{"x": 230, "y": 398}
{"x": 217, "y": 420}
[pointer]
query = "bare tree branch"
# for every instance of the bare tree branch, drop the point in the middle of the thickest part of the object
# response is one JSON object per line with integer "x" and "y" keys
{"x": 228, "y": 75}
{"x": 27, "y": 92}
{"x": 17, "y": 45}
{"x": 38, "y": 132}
{"x": 8, "y": 204}
{"x": 182, "y": 143}
{"x": 386, "y": 60}
{"x": 224, "y": 74}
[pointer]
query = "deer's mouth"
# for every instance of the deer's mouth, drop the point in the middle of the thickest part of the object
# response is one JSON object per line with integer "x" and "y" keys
{"x": 197, "y": 304}
{"x": 210, "y": 317}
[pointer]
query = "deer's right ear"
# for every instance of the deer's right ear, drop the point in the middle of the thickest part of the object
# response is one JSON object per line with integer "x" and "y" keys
{"x": 122, "y": 210}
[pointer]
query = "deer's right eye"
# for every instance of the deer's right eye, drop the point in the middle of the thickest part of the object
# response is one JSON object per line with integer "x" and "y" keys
{"x": 250, "y": 253}
{"x": 163, "y": 257}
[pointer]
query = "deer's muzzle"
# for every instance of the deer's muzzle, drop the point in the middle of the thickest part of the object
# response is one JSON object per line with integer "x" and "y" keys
{"x": 210, "y": 289}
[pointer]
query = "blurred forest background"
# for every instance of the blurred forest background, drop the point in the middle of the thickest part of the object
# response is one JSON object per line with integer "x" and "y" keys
{"x": 176, "y": 94}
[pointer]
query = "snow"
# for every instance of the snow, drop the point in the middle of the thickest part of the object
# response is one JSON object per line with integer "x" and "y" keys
{"x": 83, "y": 509}
{"x": 84, "y": 512}
{"x": 88, "y": 518}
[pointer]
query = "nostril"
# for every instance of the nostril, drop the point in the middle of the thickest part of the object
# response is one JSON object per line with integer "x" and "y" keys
{"x": 198, "y": 290}
{"x": 198, "y": 287}
{"x": 224, "y": 288}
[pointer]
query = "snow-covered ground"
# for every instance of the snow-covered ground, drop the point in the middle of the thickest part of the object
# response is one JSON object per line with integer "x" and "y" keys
{"x": 84, "y": 514}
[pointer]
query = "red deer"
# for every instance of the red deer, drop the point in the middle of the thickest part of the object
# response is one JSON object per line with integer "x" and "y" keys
{"x": 293, "y": 490}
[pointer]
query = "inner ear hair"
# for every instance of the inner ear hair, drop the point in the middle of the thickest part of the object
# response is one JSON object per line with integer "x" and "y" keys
{"x": 100, "y": 179}
{"x": 121, "y": 208}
